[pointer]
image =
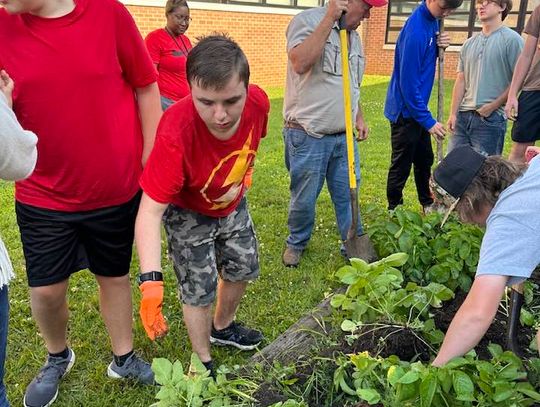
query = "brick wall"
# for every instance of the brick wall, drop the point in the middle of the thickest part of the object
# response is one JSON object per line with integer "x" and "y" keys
{"x": 380, "y": 61}
{"x": 261, "y": 36}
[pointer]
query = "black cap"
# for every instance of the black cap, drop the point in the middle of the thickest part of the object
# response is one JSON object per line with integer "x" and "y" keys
{"x": 457, "y": 170}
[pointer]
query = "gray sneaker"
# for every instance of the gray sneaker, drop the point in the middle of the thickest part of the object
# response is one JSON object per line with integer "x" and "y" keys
{"x": 134, "y": 368}
{"x": 43, "y": 390}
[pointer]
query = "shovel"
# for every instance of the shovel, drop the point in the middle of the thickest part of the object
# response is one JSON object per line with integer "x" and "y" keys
{"x": 356, "y": 246}
{"x": 512, "y": 328}
{"x": 440, "y": 95}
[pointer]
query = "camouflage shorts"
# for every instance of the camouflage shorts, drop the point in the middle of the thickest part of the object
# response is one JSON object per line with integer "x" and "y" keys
{"x": 201, "y": 246}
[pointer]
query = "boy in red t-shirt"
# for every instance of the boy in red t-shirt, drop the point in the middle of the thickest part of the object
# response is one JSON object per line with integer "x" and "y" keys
{"x": 196, "y": 177}
{"x": 94, "y": 101}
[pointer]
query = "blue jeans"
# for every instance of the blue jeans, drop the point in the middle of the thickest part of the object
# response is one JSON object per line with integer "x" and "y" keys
{"x": 166, "y": 103}
{"x": 310, "y": 161}
{"x": 4, "y": 316}
{"x": 486, "y": 134}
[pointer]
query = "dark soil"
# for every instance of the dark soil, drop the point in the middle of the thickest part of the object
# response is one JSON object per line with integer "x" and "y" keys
{"x": 399, "y": 341}
{"x": 495, "y": 334}
{"x": 393, "y": 341}
{"x": 266, "y": 395}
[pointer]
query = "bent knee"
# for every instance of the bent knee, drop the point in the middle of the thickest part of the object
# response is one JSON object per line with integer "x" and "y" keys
{"x": 50, "y": 296}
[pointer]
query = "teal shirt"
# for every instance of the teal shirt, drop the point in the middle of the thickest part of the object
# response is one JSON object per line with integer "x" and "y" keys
{"x": 487, "y": 63}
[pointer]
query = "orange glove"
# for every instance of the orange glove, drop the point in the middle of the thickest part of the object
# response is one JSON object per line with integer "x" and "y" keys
{"x": 150, "y": 310}
{"x": 248, "y": 177}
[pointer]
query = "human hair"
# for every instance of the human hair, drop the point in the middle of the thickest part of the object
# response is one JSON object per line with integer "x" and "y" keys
{"x": 507, "y": 4}
{"x": 452, "y": 4}
{"x": 172, "y": 5}
{"x": 495, "y": 175}
{"x": 215, "y": 60}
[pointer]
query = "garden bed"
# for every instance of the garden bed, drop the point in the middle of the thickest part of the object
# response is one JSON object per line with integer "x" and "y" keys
{"x": 403, "y": 343}
{"x": 372, "y": 341}
{"x": 495, "y": 334}
{"x": 391, "y": 308}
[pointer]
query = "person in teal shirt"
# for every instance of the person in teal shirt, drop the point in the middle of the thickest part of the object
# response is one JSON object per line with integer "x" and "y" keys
{"x": 485, "y": 69}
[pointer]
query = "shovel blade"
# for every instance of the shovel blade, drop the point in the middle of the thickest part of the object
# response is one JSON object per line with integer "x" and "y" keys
{"x": 360, "y": 247}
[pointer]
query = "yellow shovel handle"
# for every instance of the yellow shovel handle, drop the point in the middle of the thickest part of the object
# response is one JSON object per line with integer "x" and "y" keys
{"x": 348, "y": 107}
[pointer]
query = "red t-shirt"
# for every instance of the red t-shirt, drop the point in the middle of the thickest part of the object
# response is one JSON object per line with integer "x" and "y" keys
{"x": 170, "y": 56}
{"x": 74, "y": 87}
{"x": 192, "y": 169}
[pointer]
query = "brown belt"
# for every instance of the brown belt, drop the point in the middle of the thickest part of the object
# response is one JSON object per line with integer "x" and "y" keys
{"x": 292, "y": 125}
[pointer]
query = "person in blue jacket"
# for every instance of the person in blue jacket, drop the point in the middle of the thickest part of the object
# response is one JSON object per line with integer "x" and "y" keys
{"x": 407, "y": 100}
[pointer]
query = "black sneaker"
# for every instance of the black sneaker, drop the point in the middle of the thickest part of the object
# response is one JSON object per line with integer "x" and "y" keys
{"x": 194, "y": 371}
{"x": 133, "y": 368}
{"x": 236, "y": 335}
{"x": 210, "y": 367}
{"x": 43, "y": 390}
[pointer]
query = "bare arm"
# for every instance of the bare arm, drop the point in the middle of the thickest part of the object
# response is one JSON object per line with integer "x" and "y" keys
{"x": 523, "y": 65}
{"x": 490, "y": 107}
{"x": 501, "y": 99}
{"x": 457, "y": 97}
{"x": 473, "y": 317}
{"x": 457, "y": 93}
{"x": 150, "y": 113}
{"x": 148, "y": 234}
{"x": 306, "y": 54}
{"x": 361, "y": 125}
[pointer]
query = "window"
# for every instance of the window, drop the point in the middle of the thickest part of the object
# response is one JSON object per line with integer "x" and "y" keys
{"x": 461, "y": 24}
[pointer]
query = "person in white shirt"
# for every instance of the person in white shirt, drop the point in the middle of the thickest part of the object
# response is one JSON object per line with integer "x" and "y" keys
{"x": 18, "y": 155}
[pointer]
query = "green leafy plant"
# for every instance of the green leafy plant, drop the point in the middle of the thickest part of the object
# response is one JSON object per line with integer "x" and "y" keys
{"x": 533, "y": 372}
{"x": 376, "y": 298}
{"x": 290, "y": 403}
{"x": 447, "y": 255}
{"x": 464, "y": 381}
{"x": 196, "y": 387}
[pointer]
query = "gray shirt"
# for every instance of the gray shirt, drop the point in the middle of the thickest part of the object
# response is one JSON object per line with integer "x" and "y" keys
{"x": 18, "y": 156}
{"x": 315, "y": 99}
{"x": 511, "y": 244}
{"x": 487, "y": 63}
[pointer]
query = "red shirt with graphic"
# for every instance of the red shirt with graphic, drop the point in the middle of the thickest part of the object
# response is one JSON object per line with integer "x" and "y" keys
{"x": 170, "y": 56}
{"x": 75, "y": 79}
{"x": 192, "y": 169}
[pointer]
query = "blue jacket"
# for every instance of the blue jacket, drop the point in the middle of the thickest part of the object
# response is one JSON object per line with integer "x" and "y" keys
{"x": 414, "y": 69}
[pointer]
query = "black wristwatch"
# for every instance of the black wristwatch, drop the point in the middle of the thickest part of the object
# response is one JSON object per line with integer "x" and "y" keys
{"x": 150, "y": 276}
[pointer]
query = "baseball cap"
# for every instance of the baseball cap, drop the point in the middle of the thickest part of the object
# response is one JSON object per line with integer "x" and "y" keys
{"x": 376, "y": 3}
{"x": 454, "y": 174}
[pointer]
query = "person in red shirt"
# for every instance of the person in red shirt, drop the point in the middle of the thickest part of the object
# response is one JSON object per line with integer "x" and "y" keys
{"x": 196, "y": 180}
{"x": 92, "y": 97}
{"x": 168, "y": 48}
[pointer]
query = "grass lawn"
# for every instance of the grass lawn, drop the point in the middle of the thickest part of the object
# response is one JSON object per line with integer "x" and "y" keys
{"x": 273, "y": 303}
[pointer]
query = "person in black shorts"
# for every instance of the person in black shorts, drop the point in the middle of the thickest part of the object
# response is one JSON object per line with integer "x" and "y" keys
{"x": 526, "y": 78}
{"x": 96, "y": 109}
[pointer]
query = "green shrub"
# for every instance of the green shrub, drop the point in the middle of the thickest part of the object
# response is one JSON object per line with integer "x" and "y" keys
{"x": 447, "y": 255}
{"x": 196, "y": 388}
{"x": 376, "y": 292}
{"x": 464, "y": 381}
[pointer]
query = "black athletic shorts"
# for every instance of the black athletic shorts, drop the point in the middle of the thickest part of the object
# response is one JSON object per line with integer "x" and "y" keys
{"x": 57, "y": 244}
{"x": 526, "y": 128}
